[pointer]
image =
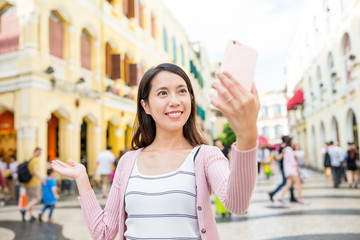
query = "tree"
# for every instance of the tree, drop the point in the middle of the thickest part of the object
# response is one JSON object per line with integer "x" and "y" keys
{"x": 228, "y": 136}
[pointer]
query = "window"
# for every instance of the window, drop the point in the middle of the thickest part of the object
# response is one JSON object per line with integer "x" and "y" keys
{"x": 174, "y": 50}
{"x": 153, "y": 26}
{"x": 9, "y": 30}
{"x": 264, "y": 112}
{"x": 318, "y": 74}
{"x": 332, "y": 72}
{"x": 141, "y": 16}
{"x": 278, "y": 130}
{"x": 85, "y": 50}
{"x": 165, "y": 40}
{"x": 56, "y": 35}
{"x": 346, "y": 46}
{"x": 182, "y": 56}
{"x": 113, "y": 63}
{"x": 277, "y": 110}
{"x": 265, "y": 132}
{"x": 129, "y": 8}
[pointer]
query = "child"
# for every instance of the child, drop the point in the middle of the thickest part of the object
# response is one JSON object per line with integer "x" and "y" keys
{"x": 50, "y": 194}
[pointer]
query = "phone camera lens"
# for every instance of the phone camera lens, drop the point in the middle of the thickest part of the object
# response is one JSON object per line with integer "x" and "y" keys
{"x": 234, "y": 42}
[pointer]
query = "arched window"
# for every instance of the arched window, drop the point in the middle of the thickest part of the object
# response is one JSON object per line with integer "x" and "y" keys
{"x": 332, "y": 73}
{"x": 348, "y": 58}
{"x": 165, "y": 40}
{"x": 9, "y": 30}
{"x": 318, "y": 74}
{"x": 56, "y": 35}
{"x": 85, "y": 50}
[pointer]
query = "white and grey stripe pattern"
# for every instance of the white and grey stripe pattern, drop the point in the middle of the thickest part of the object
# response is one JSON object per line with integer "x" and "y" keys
{"x": 162, "y": 206}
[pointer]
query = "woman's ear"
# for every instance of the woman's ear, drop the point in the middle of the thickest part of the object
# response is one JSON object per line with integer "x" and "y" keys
{"x": 145, "y": 106}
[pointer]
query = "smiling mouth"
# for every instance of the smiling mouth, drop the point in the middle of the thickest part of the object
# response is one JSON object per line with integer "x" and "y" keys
{"x": 174, "y": 114}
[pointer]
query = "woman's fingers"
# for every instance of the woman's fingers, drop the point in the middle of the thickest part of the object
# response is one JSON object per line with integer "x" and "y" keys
{"x": 60, "y": 163}
{"x": 71, "y": 163}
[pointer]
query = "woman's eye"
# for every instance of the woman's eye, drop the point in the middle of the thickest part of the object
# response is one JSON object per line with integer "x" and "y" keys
{"x": 162, "y": 93}
{"x": 182, "y": 91}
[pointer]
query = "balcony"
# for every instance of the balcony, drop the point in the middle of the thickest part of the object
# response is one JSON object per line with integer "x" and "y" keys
{"x": 8, "y": 64}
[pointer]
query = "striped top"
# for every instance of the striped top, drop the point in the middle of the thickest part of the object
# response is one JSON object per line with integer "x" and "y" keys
{"x": 162, "y": 206}
{"x": 233, "y": 186}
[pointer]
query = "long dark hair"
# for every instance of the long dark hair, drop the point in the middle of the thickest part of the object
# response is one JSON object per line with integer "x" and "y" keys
{"x": 145, "y": 127}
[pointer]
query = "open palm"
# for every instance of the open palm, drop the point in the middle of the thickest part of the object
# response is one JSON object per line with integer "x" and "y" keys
{"x": 71, "y": 170}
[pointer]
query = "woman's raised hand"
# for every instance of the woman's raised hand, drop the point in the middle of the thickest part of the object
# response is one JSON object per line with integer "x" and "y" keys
{"x": 240, "y": 107}
{"x": 72, "y": 170}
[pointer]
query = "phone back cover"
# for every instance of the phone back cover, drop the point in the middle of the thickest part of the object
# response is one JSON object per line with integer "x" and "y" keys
{"x": 239, "y": 61}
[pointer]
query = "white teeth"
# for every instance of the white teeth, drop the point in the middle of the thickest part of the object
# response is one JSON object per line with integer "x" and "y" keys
{"x": 174, "y": 114}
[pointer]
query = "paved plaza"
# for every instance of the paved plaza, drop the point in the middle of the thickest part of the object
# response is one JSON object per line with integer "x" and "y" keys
{"x": 329, "y": 214}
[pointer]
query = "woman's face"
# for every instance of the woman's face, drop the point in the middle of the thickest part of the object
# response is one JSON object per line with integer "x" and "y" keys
{"x": 169, "y": 102}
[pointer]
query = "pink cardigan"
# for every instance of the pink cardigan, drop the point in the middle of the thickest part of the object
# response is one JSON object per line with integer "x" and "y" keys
{"x": 233, "y": 186}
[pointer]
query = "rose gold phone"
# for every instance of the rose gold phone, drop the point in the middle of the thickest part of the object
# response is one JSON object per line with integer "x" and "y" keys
{"x": 239, "y": 61}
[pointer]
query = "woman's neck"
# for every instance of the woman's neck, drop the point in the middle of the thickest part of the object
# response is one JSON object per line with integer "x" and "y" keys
{"x": 165, "y": 141}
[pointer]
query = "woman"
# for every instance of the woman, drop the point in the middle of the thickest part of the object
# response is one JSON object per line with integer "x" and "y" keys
{"x": 291, "y": 171}
{"x": 352, "y": 174}
{"x": 163, "y": 186}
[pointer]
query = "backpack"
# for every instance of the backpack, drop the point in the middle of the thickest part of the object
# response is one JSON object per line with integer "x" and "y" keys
{"x": 24, "y": 174}
{"x": 327, "y": 160}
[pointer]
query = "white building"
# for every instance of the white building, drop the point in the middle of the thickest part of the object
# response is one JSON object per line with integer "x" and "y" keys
{"x": 324, "y": 63}
{"x": 272, "y": 120}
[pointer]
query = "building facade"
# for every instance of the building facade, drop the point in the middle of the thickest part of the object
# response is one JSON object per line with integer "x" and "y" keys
{"x": 69, "y": 72}
{"x": 272, "y": 121}
{"x": 324, "y": 65}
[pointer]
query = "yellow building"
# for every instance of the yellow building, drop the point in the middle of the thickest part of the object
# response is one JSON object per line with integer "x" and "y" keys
{"x": 69, "y": 72}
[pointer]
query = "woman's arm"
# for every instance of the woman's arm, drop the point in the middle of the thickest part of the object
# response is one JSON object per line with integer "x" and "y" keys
{"x": 103, "y": 224}
{"x": 233, "y": 186}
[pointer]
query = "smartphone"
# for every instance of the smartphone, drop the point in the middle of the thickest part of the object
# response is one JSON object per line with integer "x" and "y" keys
{"x": 240, "y": 60}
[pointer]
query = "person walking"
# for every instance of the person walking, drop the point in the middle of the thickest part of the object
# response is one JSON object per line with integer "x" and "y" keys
{"x": 13, "y": 176}
{"x": 161, "y": 188}
{"x": 291, "y": 171}
{"x": 279, "y": 158}
{"x": 33, "y": 187}
{"x": 49, "y": 195}
{"x": 260, "y": 158}
{"x": 105, "y": 161}
{"x": 352, "y": 173}
{"x": 302, "y": 162}
{"x": 336, "y": 158}
{"x": 327, "y": 161}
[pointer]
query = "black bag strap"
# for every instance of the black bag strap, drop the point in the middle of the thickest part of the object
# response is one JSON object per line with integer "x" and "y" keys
{"x": 196, "y": 153}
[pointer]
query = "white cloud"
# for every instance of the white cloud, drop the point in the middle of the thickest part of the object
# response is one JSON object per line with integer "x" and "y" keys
{"x": 267, "y": 26}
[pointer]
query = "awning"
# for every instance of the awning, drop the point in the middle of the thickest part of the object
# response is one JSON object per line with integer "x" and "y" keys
{"x": 262, "y": 140}
{"x": 297, "y": 99}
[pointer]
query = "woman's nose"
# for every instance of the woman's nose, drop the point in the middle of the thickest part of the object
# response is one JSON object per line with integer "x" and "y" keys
{"x": 174, "y": 100}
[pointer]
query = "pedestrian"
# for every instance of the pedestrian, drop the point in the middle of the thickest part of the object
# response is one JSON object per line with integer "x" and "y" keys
{"x": 327, "y": 161}
{"x": 3, "y": 189}
{"x": 352, "y": 174}
{"x": 336, "y": 158}
{"x": 260, "y": 157}
{"x": 302, "y": 162}
{"x": 105, "y": 161}
{"x": 13, "y": 176}
{"x": 221, "y": 146}
{"x": 49, "y": 195}
{"x": 266, "y": 161}
{"x": 279, "y": 158}
{"x": 291, "y": 171}
{"x": 33, "y": 187}
{"x": 162, "y": 187}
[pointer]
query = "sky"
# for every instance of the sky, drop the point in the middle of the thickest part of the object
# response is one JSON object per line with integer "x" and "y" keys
{"x": 266, "y": 25}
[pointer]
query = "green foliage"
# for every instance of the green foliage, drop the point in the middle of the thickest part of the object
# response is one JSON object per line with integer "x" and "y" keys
{"x": 228, "y": 136}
